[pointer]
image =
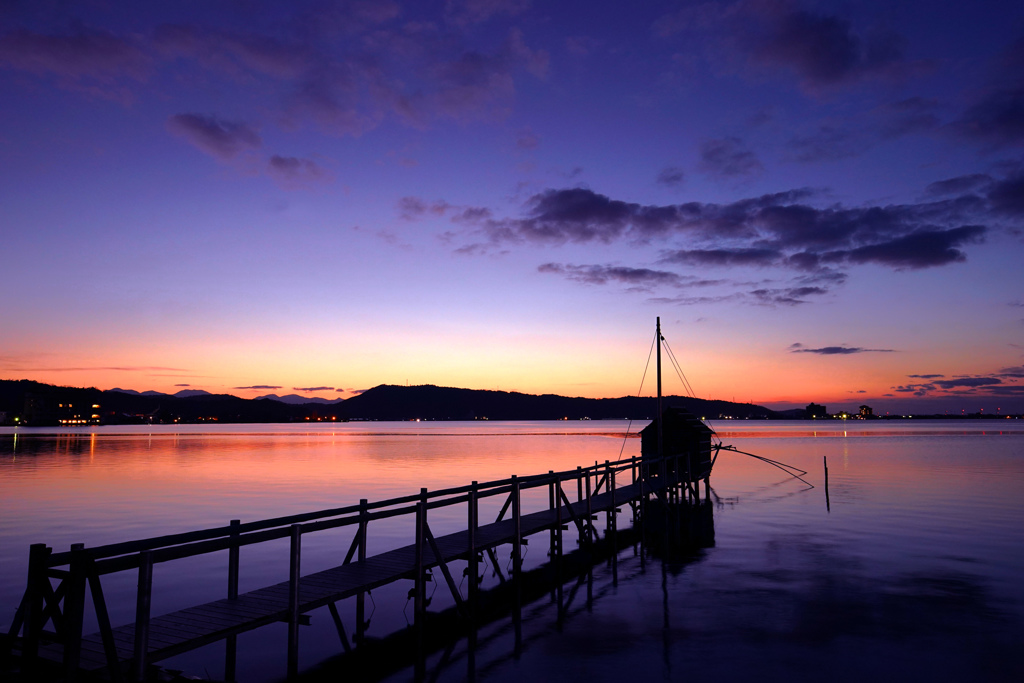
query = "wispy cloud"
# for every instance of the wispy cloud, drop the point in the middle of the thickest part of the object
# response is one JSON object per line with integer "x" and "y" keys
{"x": 309, "y": 389}
{"x": 221, "y": 139}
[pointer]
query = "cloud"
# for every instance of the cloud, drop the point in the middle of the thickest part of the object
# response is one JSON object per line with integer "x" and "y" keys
{"x": 259, "y": 386}
{"x": 220, "y": 139}
{"x": 234, "y": 53}
{"x": 921, "y": 249}
{"x": 822, "y": 49}
{"x": 792, "y": 296}
{"x": 1016, "y": 371}
{"x": 1007, "y": 195}
{"x": 838, "y": 350}
{"x": 748, "y": 256}
{"x": 182, "y": 385}
{"x": 728, "y": 158}
{"x": 83, "y": 55}
{"x": 925, "y": 376}
{"x": 996, "y": 117}
{"x": 294, "y": 172}
{"x": 671, "y": 176}
{"x": 967, "y": 382}
{"x": 309, "y": 389}
{"x": 600, "y": 275}
{"x": 958, "y": 185}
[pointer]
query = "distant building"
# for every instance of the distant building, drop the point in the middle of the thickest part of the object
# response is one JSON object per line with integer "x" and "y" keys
{"x": 54, "y": 409}
{"x": 865, "y": 411}
{"x": 815, "y": 411}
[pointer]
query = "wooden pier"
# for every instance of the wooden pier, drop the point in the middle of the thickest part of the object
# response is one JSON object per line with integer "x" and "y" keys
{"x": 48, "y": 627}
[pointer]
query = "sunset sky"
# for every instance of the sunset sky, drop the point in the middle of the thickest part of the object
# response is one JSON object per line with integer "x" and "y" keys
{"x": 823, "y": 201}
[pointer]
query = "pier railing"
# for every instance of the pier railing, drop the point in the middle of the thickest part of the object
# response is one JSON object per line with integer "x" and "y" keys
{"x": 130, "y": 649}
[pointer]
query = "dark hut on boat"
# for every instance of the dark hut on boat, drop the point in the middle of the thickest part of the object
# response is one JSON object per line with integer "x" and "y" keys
{"x": 683, "y": 435}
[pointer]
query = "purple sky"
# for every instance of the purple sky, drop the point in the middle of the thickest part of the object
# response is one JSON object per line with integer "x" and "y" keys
{"x": 823, "y": 201}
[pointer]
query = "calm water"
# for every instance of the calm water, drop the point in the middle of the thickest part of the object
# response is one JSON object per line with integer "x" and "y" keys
{"x": 915, "y": 573}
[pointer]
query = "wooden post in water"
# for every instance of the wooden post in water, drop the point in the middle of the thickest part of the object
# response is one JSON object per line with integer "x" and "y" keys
{"x": 419, "y": 600}
{"x": 143, "y": 602}
{"x": 231, "y": 642}
{"x": 828, "y": 505}
{"x": 294, "y": 572}
{"x": 74, "y": 611}
{"x": 361, "y": 596}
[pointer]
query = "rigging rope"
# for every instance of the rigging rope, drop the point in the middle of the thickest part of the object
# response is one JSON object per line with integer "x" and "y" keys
{"x": 646, "y": 368}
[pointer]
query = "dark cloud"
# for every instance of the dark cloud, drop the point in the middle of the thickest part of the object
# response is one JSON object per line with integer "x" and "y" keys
{"x": 792, "y": 296}
{"x": 1007, "y": 195}
{"x": 259, "y": 386}
{"x": 294, "y": 172}
{"x": 83, "y": 54}
{"x": 724, "y": 257}
{"x": 309, "y": 389}
{"x": 1016, "y": 371}
{"x": 600, "y": 275}
{"x": 837, "y": 350}
{"x": 728, "y": 158}
{"x": 822, "y": 49}
{"x": 235, "y": 53}
{"x": 925, "y": 376}
{"x": 671, "y": 176}
{"x": 921, "y": 249}
{"x": 220, "y": 139}
{"x": 182, "y": 385}
{"x": 358, "y": 391}
{"x": 959, "y": 185}
{"x": 967, "y": 382}
{"x": 996, "y": 118}
{"x": 780, "y": 229}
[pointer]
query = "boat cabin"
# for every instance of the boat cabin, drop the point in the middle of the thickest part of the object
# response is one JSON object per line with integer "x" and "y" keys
{"x": 683, "y": 435}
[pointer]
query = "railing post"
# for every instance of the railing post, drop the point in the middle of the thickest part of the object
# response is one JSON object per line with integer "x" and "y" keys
{"x": 143, "y": 603}
{"x": 74, "y": 611}
{"x": 361, "y": 596}
{"x": 517, "y": 523}
{"x": 552, "y": 501}
{"x": 472, "y": 522}
{"x": 38, "y": 554}
{"x": 579, "y": 484}
{"x": 611, "y": 488}
{"x": 420, "y": 605}
{"x": 231, "y": 642}
{"x": 590, "y": 512}
{"x": 294, "y": 572}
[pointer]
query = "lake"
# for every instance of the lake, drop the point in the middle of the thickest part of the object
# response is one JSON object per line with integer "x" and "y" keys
{"x": 913, "y": 571}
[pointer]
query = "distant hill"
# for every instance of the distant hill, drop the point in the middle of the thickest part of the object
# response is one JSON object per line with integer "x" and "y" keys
{"x": 296, "y": 400}
{"x": 429, "y": 402}
{"x": 384, "y": 402}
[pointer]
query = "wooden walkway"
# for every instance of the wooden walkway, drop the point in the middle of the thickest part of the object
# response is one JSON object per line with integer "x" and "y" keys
{"x": 127, "y": 651}
{"x": 185, "y": 630}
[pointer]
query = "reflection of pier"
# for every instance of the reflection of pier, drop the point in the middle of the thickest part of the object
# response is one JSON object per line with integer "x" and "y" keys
{"x": 51, "y": 616}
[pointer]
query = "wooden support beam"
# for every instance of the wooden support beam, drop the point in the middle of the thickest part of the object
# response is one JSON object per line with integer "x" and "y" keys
{"x": 38, "y": 555}
{"x": 444, "y": 569}
{"x": 103, "y": 619}
{"x": 340, "y": 627}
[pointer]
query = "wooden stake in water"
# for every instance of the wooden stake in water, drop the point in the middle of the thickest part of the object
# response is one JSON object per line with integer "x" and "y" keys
{"x": 828, "y": 506}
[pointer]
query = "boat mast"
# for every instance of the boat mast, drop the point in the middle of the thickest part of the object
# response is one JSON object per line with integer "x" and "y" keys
{"x": 657, "y": 340}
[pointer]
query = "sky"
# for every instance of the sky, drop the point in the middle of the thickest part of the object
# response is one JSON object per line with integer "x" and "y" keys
{"x": 821, "y": 201}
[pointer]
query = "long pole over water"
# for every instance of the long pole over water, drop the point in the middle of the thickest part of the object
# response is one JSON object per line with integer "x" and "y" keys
{"x": 657, "y": 340}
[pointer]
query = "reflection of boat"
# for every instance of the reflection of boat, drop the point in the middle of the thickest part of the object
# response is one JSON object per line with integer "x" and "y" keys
{"x": 679, "y": 439}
